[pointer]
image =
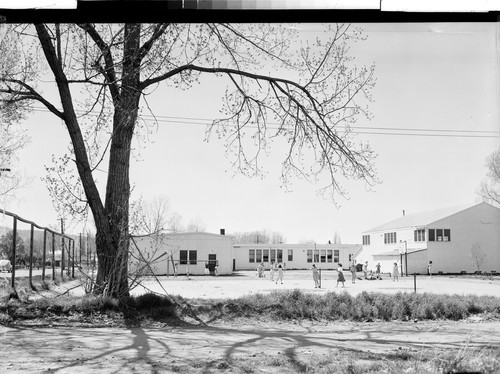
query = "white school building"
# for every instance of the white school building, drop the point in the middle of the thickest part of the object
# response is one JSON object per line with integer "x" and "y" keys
{"x": 294, "y": 256}
{"x": 445, "y": 236}
{"x": 187, "y": 253}
{"x": 190, "y": 253}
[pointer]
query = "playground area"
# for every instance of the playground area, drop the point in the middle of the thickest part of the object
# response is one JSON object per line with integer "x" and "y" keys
{"x": 247, "y": 282}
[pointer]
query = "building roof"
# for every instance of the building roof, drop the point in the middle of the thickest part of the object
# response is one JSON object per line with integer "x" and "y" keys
{"x": 421, "y": 219}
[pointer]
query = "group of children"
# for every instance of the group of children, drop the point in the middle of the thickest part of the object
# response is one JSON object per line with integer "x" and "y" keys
{"x": 368, "y": 274}
{"x": 274, "y": 269}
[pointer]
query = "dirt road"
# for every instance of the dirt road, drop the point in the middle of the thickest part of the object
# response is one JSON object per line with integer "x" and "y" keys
{"x": 234, "y": 347}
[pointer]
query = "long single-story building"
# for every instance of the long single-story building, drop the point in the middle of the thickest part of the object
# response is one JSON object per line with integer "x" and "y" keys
{"x": 456, "y": 240}
{"x": 191, "y": 253}
{"x": 294, "y": 256}
{"x": 181, "y": 253}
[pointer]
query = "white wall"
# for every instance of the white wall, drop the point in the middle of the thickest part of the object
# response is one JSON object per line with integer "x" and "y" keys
{"x": 241, "y": 255}
{"x": 162, "y": 249}
{"x": 478, "y": 224}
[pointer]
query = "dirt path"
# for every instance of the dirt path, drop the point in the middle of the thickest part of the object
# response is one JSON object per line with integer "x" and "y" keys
{"x": 235, "y": 347}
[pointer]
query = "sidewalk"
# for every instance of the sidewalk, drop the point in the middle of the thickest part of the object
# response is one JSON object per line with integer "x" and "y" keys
{"x": 236, "y": 347}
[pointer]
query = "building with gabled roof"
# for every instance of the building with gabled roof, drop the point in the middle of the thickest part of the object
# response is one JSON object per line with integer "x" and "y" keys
{"x": 444, "y": 236}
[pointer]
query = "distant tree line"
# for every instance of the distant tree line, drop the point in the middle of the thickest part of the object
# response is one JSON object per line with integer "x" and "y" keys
{"x": 263, "y": 236}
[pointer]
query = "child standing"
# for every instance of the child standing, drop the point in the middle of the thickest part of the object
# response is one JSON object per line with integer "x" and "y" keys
{"x": 271, "y": 271}
{"x": 377, "y": 271}
{"x": 353, "y": 272}
{"x": 315, "y": 273}
{"x": 340, "y": 277}
{"x": 395, "y": 273}
{"x": 280, "y": 274}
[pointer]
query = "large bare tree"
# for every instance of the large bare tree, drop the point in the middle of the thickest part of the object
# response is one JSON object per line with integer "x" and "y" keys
{"x": 489, "y": 189}
{"x": 310, "y": 91}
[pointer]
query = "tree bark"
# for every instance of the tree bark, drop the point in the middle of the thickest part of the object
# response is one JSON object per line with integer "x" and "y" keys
{"x": 113, "y": 260}
{"x": 111, "y": 219}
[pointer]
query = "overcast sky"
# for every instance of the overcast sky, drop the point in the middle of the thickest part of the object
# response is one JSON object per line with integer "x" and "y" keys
{"x": 441, "y": 78}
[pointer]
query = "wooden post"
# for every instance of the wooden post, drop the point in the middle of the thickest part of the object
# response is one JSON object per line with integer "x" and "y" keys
{"x": 44, "y": 253}
{"x": 80, "y": 245}
{"x": 14, "y": 244}
{"x": 53, "y": 256}
{"x": 30, "y": 276}
{"x": 88, "y": 250}
{"x": 62, "y": 249}
{"x": 73, "y": 260}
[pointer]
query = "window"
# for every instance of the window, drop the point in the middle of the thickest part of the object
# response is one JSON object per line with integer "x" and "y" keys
{"x": 446, "y": 236}
{"x": 329, "y": 255}
{"x": 265, "y": 257}
{"x": 432, "y": 235}
{"x": 316, "y": 255}
{"x": 280, "y": 255}
{"x": 336, "y": 255}
{"x": 323, "y": 255}
{"x": 390, "y": 237}
{"x": 193, "y": 257}
{"x": 366, "y": 239}
{"x": 273, "y": 255}
{"x": 183, "y": 256}
{"x": 439, "y": 235}
{"x": 419, "y": 235}
{"x": 251, "y": 255}
{"x": 290, "y": 255}
{"x": 258, "y": 255}
{"x": 309, "y": 255}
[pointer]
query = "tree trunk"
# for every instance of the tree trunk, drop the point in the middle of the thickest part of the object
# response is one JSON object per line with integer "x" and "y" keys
{"x": 111, "y": 219}
{"x": 112, "y": 274}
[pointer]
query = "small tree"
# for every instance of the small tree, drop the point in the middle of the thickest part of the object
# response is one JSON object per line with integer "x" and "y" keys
{"x": 478, "y": 256}
{"x": 336, "y": 238}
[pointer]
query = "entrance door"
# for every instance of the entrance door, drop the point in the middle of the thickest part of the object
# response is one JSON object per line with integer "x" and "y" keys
{"x": 212, "y": 261}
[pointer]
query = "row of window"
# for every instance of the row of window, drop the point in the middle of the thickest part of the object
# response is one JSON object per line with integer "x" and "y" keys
{"x": 323, "y": 255}
{"x": 419, "y": 235}
{"x": 439, "y": 235}
{"x": 276, "y": 255}
{"x": 435, "y": 235}
{"x": 268, "y": 255}
{"x": 390, "y": 237}
{"x": 183, "y": 257}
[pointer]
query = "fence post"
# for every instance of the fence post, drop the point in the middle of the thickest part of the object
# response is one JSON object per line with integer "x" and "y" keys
{"x": 73, "y": 260}
{"x": 62, "y": 250}
{"x": 415, "y": 282}
{"x": 53, "y": 255}
{"x": 44, "y": 253}
{"x": 14, "y": 244}
{"x": 30, "y": 276}
{"x": 88, "y": 250}
{"x": 68, "y": 273}
{"x": 80, "y": 246}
